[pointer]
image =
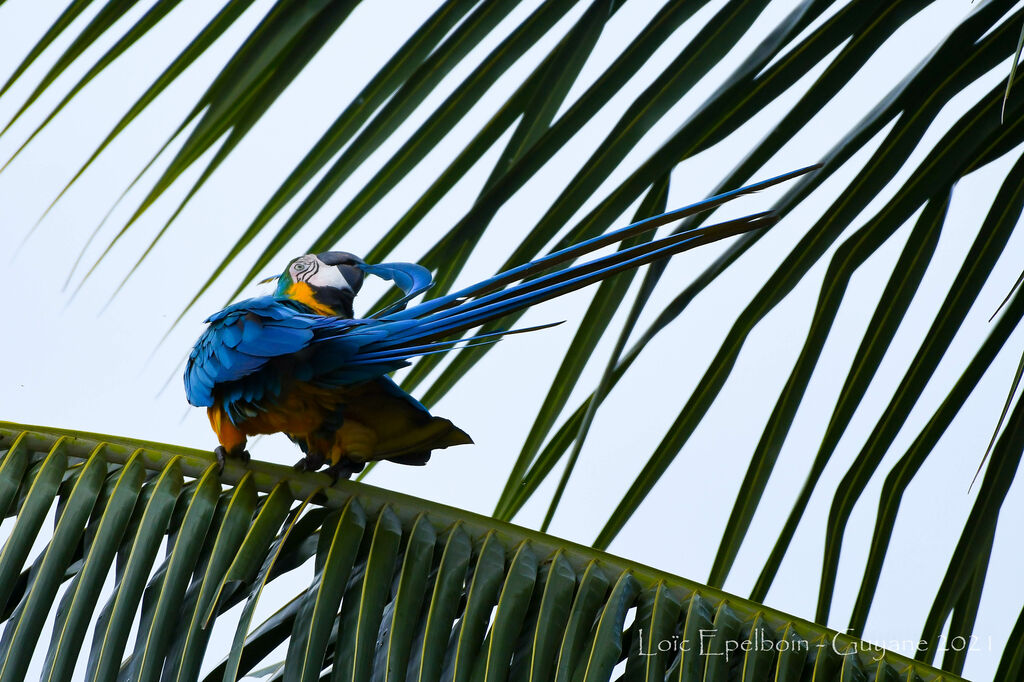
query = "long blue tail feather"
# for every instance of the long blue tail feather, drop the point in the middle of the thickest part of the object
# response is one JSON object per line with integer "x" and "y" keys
{"x": 697, "y": 236}
{"x": 441, "y": 324}
{"x": 400, "y": 303}
{"x": 460, "y": 319}
{"x": 443, "y": 346}
{"x": 544, "y": 263}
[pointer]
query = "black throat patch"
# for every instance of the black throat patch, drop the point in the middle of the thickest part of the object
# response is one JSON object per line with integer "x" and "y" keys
{"x": 338, "y": 300}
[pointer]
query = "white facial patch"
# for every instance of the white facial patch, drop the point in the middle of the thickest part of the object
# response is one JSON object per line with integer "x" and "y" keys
{"x": 329, "y": 276}
{"x": 315, "y": 272}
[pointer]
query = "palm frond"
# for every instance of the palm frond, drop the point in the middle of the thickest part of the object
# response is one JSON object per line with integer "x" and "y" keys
{"x": 400, "y": 586}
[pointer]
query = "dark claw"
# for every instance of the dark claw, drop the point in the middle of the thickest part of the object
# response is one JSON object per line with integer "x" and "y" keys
{"x": 343, "y": 469}
{"x": 223, "y": 456}
{"x": 311, "y": 462}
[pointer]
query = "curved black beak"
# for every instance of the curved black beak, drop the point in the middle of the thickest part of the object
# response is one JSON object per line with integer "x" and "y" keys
{"x": 338, "y": 258}
{"x": 347, "y": 264}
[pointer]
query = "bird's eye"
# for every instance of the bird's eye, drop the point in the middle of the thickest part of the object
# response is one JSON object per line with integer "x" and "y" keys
{"x": 301, "y": 266}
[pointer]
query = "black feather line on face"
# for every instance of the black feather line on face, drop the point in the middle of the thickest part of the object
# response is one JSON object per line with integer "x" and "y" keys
{"x": 312, "y": 267}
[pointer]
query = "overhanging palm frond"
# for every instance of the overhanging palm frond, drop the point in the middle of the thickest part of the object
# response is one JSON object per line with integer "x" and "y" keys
{"x": 401, "y": 587}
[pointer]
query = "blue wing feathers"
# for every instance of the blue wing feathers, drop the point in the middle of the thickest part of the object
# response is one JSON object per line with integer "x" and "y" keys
{"x": 251, "y": 349}
{"x": 239, "y": 341}
{"x": 271, "y": 340}
{"x": 409, "y": 277}
{"x": 232, "y": 334}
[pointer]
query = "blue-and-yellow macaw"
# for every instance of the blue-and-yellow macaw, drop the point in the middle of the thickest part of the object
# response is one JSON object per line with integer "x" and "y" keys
{"x": 299, "y": 363}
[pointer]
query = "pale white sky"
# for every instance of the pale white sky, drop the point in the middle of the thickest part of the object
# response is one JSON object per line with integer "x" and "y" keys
{"x": 69, "y": 366}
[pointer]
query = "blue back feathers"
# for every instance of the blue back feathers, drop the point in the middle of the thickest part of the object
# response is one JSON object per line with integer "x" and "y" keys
{"x": 253, "y": 349}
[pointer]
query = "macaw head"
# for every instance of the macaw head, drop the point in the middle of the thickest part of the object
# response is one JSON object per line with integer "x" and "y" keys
{"x": 326, "y": 282}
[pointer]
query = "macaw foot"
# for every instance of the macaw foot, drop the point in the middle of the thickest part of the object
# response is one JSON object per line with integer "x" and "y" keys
{"x": 310, "y": 462}
{"x": 223, "y": 455}
{"x": 344, "y": 469}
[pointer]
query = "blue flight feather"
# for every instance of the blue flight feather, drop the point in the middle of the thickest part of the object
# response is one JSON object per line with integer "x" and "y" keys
{"x": 572, "y": 252}
{"x": 409, "y": 277}
{"x": 253, "y": 349}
